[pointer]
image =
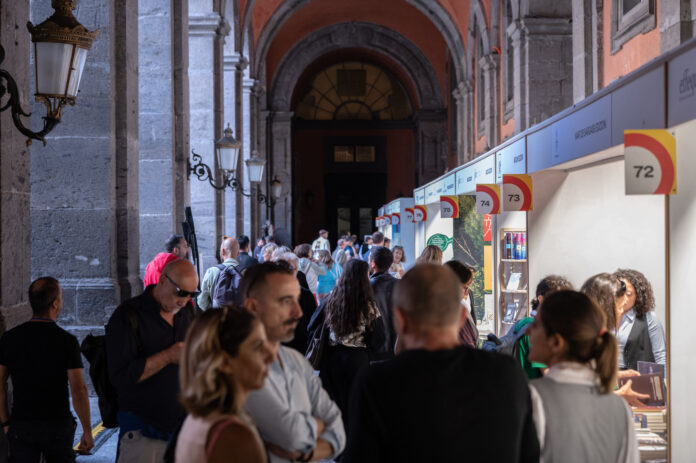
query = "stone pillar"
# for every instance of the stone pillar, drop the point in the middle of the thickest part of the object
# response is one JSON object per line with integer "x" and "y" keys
{"x": 431, "y": 145}
{"x": 676, "y": 23}
{"x": 15, "y": 224}
{"x": 203, "y": 32}
{"x": 459, "y": 94}
{"x": 280, "y": 165}
{"x": 543, "y": 68}
{"x": 490, "y": 66}
{"x": 157, "y": 146}
{"x": 231, "y": 65}
{"x": 588, "y": 52}
{"x": 85, "y": 224}
{"x": 181, "y": 111}
{"x": 238, "y": 130}
{"x": 468, "y": 120}
{"x": 247, "y": 147}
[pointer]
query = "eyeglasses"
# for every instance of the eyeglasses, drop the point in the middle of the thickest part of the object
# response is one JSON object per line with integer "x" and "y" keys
{"x": 180, "y": 292}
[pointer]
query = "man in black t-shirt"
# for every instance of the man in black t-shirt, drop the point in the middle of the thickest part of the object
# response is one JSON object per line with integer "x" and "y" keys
{"x": 437, "y": 400}
{"x": 42, "y": 358}
{"x": 144, "y": 339}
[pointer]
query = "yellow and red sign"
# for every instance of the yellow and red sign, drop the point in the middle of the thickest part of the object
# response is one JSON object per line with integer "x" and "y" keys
{"x": 396, "y": 219}
{"x": 420, "y": 213}
{"x": 449, "y": 207}
{"x": 408, "y": 215}
{"x": 650, "y": 162}
{"x": 517, "y": 192}
{"x": 387, "y": 219}
{"x": 487, "y": 198}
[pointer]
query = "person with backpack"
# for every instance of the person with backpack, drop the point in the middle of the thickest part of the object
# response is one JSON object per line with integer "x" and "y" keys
{"x": 229, "y": 250}
{"x": 144, "y": 340}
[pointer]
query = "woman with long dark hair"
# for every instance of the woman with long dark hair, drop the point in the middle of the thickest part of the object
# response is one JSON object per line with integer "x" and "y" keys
{"x": 356, "y": 332}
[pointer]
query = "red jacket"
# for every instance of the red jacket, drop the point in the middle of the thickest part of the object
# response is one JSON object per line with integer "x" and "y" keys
{"x": 154, "y": 268}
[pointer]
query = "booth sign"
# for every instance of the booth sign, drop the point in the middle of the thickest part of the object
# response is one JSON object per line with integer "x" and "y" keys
{"x": 420, "y": 214}
{"x": 487, "y": 198}
{"x": 517, "y": 192}
{"x": 395, "y": 219}
{"x": 449, "y": 207}
{"x": 408, "y": 215}
{"x": 650, "y": 162}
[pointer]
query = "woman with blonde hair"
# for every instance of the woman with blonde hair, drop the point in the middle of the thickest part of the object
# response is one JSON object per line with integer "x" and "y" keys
{"x": 430, "y": 255}
{"x": 226, "y": 355}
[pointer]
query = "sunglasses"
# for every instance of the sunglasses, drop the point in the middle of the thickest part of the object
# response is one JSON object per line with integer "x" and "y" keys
{"x": 180, "y": 292}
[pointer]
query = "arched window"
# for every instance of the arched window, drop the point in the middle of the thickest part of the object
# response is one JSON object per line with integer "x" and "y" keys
{"x": 353, "y": 90}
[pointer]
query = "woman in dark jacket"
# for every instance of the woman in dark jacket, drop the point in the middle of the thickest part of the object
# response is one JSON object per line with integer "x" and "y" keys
{"x": 356, "y": 332}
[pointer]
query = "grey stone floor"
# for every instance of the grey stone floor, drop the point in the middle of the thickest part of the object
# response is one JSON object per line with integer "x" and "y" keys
{"x": 104, "y": 445}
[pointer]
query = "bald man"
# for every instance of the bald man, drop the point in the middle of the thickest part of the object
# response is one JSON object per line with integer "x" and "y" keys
{"x": 229, "y": 250}
{"x": 144, "y": 339}
{"x": 439, "y": 400}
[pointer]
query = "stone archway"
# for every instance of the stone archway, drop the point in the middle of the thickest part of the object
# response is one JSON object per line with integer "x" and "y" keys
{"x": 430, "y": 119}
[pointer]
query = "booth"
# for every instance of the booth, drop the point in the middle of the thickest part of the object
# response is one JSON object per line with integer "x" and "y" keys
{"x": 401, "y": 231}
{"x": 438, "y": 230}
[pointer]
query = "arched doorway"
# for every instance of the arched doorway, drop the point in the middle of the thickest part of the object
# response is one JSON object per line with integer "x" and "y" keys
{"x": 353, "y": 141}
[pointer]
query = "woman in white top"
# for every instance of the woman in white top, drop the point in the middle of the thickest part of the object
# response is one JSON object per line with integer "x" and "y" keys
{"x": 577, "y": 417}
{"x": 226, "y": 355}
{"x": 397, "y": 268}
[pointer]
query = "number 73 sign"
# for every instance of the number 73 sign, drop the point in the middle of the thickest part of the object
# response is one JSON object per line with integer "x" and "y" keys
{"x": 650, "y": 162}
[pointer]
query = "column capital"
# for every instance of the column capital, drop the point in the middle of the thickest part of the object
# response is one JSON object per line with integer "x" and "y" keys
{"x": 546, "y": 26}
{"x": 489, "y": 62}
{"x": 204, "y": 25}
{"x": 235, "y": 61}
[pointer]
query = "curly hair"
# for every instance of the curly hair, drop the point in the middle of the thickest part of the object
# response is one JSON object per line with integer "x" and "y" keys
{"x": 604, "y": 288}
{"x": 548, "y": 285}
{"x": 350, "y": 301}
{"x": 205, "y": 388}
{"x": 645, "y": 299}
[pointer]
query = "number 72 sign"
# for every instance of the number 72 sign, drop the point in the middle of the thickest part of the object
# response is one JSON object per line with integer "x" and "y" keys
{"x": 650, "y": 162}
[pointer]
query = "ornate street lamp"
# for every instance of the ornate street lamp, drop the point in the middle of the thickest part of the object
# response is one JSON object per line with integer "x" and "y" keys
{"x": 61, "y": 44}
{"x": 227, "y": 151}
{"x": 255, "y": 167}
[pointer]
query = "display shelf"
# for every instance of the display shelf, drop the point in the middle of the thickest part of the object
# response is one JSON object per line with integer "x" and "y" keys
{"x": 513, "y": 278}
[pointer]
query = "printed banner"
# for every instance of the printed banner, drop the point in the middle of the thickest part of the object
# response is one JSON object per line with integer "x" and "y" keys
{"x": 420, "y": 214}
{"x": 517, "y": 192}
{"x": 650, "y": 162}
{"x": 487, "y": 198}
{"x": 395, "y": 219}
{"x": 440, "y": 240}
{"x": 449, "y": 207}
{"x": 408, "y": 215}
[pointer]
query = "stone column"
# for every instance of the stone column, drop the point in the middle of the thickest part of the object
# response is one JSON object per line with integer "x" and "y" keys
{"x": 582, "y": 49}
{"x": 231, "y": 72}
{"x": 459, "y": 94}
{"x": 280, "y": 165}
{"x": 490, "y": 66}
{"x": 676, "y": 23}
{"x": 468, "y": 92}
{"x": 543, "y": 68}
{"x": 157, "y": 146}
{"x": 15, "y": 224}
{"x": 248, "y": 146}
{"x": 203, "y": 31}
{"x": 85, "y": 224}
{"x": 431, "y": 145}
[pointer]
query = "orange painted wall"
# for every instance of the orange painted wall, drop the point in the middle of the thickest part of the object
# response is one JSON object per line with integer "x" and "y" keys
{"x": 394, "y": 14}
{"x": 308, "y": 146}
{"x": 634, "y": 53}
{"x": 263, "y": 9}
{"x": 459, "y": 11}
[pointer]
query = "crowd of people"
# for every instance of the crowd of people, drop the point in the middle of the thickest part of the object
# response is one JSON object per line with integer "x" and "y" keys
{"x": 226, "y": 370}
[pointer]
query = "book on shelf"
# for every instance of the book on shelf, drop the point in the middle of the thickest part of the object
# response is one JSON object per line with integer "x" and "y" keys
{"x": 510, "y": 312}
{"x": 513, "y": 283}
{"x": 645, "y": 368}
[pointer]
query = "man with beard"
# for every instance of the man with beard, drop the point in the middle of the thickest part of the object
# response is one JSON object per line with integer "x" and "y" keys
{"x": 294, "y": 414}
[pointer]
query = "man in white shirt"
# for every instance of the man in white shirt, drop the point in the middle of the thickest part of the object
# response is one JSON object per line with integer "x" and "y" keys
{"x": 322, "y": 242}
{"x": 295, "y": 416}
{"x": 229, "y": 250}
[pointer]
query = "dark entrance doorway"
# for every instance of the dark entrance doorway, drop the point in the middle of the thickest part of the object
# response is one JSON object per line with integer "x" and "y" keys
{"x": 352, "y": 201}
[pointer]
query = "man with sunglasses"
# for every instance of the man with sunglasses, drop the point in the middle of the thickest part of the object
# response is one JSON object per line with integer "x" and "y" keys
{"x": 144, "y": 339}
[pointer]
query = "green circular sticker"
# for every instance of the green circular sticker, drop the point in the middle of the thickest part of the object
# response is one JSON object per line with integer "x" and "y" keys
{"x": 440, "y": 240}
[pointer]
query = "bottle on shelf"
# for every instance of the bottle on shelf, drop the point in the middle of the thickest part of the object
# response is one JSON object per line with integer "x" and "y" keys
{"x": 524, "y": 245}
{"x": 507, "y": 254}
{"x": 518, "y": 246}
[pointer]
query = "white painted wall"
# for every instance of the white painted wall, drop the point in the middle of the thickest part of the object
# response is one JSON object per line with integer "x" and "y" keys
{"x": 682, "y": 314}
{"x": 583, "y": 224}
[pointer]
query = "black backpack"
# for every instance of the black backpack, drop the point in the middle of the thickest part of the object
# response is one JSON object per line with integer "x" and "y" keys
{"x": 94, "y": 350}
{"x": 227, "y": 287}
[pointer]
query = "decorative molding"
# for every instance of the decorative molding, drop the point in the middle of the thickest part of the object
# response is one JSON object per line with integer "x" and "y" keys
{"x": 236, "y": 61}
{"x": 204, "y": 25}
{"x": 355, "y": 35}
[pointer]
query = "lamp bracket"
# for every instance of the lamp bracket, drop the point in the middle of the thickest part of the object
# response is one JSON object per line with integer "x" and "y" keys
{"x": 8, "y": 86}
{"x": 203, "y": 172}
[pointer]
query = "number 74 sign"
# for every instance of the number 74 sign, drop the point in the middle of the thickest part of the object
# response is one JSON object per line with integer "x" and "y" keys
{"x": 650, "y": 162}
